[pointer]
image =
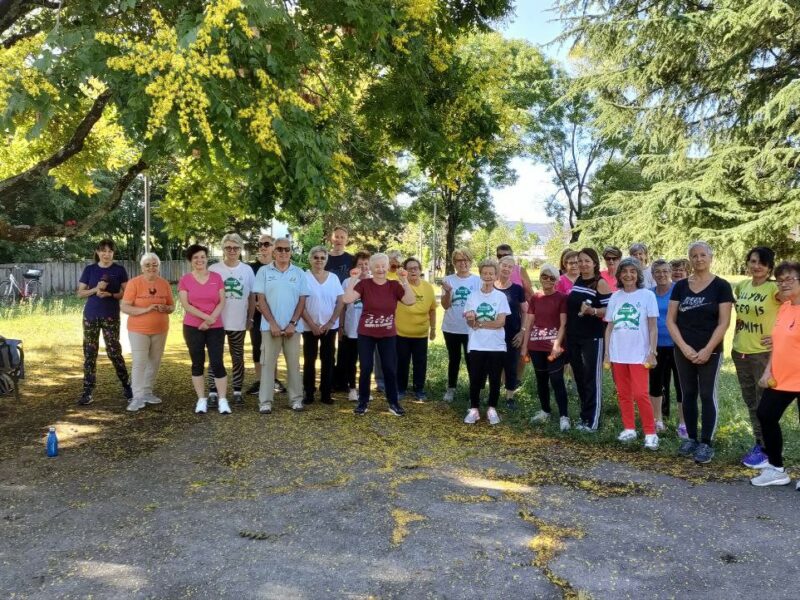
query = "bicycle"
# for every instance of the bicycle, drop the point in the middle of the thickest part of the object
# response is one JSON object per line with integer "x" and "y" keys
{"x": 31, "y": 288}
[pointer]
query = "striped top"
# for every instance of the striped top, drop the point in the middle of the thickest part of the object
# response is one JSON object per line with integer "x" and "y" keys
{"x": 587, "y": 326}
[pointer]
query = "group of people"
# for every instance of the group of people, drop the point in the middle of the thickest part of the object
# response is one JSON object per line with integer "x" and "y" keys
{"x": 654, "y": 326}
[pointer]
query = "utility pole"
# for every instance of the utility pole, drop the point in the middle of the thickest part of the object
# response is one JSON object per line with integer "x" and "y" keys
{"x": 146, "y": 213}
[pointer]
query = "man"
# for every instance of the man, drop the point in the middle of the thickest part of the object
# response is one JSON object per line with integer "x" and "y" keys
{"x": 611, "y": 255}
{"x": 518, "y": 275}
{"x": 281, "y": 289}
{"x": 339, "y": 262}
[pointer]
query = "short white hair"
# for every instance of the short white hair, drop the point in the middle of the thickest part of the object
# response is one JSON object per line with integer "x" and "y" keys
{"x": 700, "y": 244}
{"x": 149, "y": 256}
{"x": 548, "y": 269}
{"x": 508, "y": 259}
{"x": 396, "y": 254}
{"x": 378, "y": 257}
{"x": 232, "y": 237}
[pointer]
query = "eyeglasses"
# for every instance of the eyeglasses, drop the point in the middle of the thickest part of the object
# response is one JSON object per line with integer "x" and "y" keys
{"x": 547, "y": 278}
{"x": 264, "y": 244}
{"x": 231, "y": 248}
{"x": 460, "y": 260}
{"x": 787, "y": 280}
{"x": 316, "y": 257}
{"x": 282, "y": 249}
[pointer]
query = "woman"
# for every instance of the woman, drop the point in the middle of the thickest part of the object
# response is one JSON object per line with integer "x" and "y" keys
{"x": 680, "y": 269}
{"x": 781, "y": 377}
{"x": 376, "y": 327}
{"x": 586, "y": 307}
{"x": 515, "y": 295}
{"x": 148, "y": 303}
{"x": 698, "y": 316}
{"x": 544, "y": 330}
{"x": 630, "y": 341}
{"x": 611, "y": 256}
{"x": 321, "y": 317}
{"x": 456, "y": 290}
{"x": 202, "y": 295}
{"x": 348, "y": 334}
{"x": 756, "y": 306}
{"x": 640, "y": 252}
{"x": 102, "y": 284}
{"x": 665, "y": 361}
{"x": 237, "y": 316}
{"x": 518, "y": 274}
{"x": 416, "y": 324}
{"x": 485, "y": 313}
{"x": 569, "y": 270}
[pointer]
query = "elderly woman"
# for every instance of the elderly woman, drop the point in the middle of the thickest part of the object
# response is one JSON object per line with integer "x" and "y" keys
{"x": 237, "y": 316}
{"x": 348, "y": 339}
{"x": 518, "y": 274}
{"x": 781, "y": 377}
{"x": 456, "y": 290}
{"x": 680, "y": 269}
{"x": 631, "y": 337}
{"x": 611, "y": 256}
{"x": 640, "y": 252}
{"x": 395, "y": 263}
{"x": 376, "y": 327}
{"x": 544, "y": 330}
{"x": 664, "y": 368}
{"x": 202, "y": 295}
{"x": 756, "y": 309}
{"x": 416, "y": 324}
{"x": 102, "y": 284}
{"x": 515, "y": 294}
{"x": 698, "y": 317}
{"x": 569, "y": 270}
{"x": 321, "y": 325}
{"x": 586, "y": 308}
{"x": 485, "y": 312}
{"x": 148, "y": 303}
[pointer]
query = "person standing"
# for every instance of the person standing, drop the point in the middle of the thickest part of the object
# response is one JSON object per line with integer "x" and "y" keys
{"x": 339, "y": 263}
{"x": 515, "y": 294}
{"x": 320, "y": 325}
{"x": 415, "y": 325}
{"x": 202, "y": 295}
{"x": 756, "y": 310}
{"x": 348, "y": 334}
{"x": 569, "y": 270}
{"x": 281, "y": 290}
{"x": 640, "y": 252}
{"x": 680, "y": 269}
{"x": 485, "y": 312}
{"x": 456, "y": 290}
{"x": 630, "y": 339}
{"x": 148, "y": 303}
{"x": 518, "y": 274}
{"x": 697, "y": 318}
{"x": 237, "y": 316}
{"x": 102, "y": 284}
{"x": 611, "y": 256}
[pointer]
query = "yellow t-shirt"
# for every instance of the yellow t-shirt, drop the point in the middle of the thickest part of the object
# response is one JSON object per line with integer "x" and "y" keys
{"x": 756, "y": 310}
{"x": 414, "y": 321}
{"x": 392, "y": 276}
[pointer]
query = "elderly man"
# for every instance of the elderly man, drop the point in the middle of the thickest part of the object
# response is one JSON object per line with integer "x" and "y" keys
{"x": 281, "y": 290}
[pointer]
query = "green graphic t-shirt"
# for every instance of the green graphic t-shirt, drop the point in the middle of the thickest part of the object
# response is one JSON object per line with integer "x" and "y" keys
{"x": 628, "y": 313}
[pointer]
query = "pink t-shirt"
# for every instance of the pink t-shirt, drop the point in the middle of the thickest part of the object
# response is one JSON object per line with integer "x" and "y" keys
{"x": 564, "y": 285}
{"x": 611, "y": 280}
{"x": 203, "y": 296}
{"x": 379, "y": 305}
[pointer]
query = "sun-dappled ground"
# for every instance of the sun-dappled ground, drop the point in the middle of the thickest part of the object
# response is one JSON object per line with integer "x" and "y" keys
{"x": 165, "y": 503}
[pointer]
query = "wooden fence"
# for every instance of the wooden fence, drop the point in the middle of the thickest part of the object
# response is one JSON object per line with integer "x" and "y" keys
{"x": 61, "y": 278}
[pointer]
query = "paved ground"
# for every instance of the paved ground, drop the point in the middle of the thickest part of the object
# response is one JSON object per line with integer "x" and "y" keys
{"x": 323, "y": 505}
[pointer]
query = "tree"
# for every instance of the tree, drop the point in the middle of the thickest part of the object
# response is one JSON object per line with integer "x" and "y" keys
{"x": 462, "y": 124}
{"x": 484, "y": 242}
{"x": 707, "y": 94}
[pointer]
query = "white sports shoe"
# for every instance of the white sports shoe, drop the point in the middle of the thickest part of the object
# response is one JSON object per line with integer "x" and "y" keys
{"x": 135, "y": 404}
{"x": 651, "y": 441}
{"x": 493, "y": 417}
{"x": 627, "y": 435}
{"x": 473, "y": 416}
{"x": 540, "y": 417}
{"x": 224, "y": 407}
{"x": 202, "y": 406}
{"x": 771, "y": 476}
{"x": 353, "y": 395}
{"x": 152, "y": 399}
{"x": 563, "y": 423}
{"x": 449, "y": 395}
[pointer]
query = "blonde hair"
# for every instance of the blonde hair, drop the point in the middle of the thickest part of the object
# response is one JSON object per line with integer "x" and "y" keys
{"x": 508, "y": 259}
{"x": 462, "y": 252}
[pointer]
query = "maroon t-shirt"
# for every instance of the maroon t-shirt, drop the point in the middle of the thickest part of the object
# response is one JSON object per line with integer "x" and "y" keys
{"x": 548, "y": 310}
{"x": 380, "y": 304}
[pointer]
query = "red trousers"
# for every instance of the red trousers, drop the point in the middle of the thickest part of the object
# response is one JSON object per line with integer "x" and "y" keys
{"x": 633, "y": 384}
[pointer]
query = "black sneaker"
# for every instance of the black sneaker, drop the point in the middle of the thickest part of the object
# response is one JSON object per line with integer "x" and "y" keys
{"x": 253, "y": 389}
{"x": 703, "y": 454}
{"x": 327, "y": 400}
{"x": 397, "y": 410}
{"x": 279, "y": 387}
{"x": 237, "y": 397}
{"x": 127, "y": 392}
{"x": 84, "y": 400}
{"x": 688, "y": 448}
{"x": 308, "y": 400}
{"x": 511, "y": 404}
{"x": 213, "y": 397}
{"x": 360, "y": 410}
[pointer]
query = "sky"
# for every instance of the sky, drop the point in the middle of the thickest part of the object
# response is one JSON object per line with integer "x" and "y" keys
{"x": 525, "y": 200}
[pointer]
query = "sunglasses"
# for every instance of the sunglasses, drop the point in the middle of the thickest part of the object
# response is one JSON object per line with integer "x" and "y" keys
{"x": 611, "y": 258}
{"x": 264, "y": 244}
{"x": 499, "y": 256}
{"x": 282, "y": 249}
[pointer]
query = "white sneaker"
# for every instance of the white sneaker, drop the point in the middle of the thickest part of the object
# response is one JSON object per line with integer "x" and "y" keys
{"x": 297, "y": 406}
{"x": 152, "y": 399}
{"x": 224, "y": 407}
{"x": 202, "y": 406}
{"x": 493, "y": 417}
{"x": 660, "y": 426}
{"x": 353, "y": 395}
{"x": 449, "y": 395}
{"x": 651, "y": 441}
{"x": 771, "y": 476}
{"x": 564, "y": 423}
{"x": 540, "y": 417}
{"x": 135, "y": 404}
{"x": 627, "y": 435}
{"x": 473, "y": 416}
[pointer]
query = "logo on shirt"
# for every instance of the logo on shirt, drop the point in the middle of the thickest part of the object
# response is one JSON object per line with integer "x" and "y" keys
{"x": 627, "y": 316}
{"x": 692, "y": 302}
{"x": 378, "y": 322}
{"x": 460, "y": 296}
{"x": 485, "y": 312}
{"x": 233, "y": 288}
{"x": 540, "y": 334}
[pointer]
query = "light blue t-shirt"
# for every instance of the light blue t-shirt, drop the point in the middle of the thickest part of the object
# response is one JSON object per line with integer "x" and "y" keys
{"x": 282, "y": 291}
{"x": 664, "y": 338}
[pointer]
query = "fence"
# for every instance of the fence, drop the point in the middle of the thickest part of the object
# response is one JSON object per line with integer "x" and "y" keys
{"x": 60, "y": 278}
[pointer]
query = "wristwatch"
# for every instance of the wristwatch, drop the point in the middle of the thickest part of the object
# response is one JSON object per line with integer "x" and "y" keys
{"x": 292, "y": 322}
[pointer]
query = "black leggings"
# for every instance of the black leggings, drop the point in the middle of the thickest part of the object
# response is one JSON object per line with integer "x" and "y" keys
{"x": 702, "y": 380}
{"x": 412, "y": 351}
{"x": 661, "y": 375}
{"x": 485, "y": 364}
{"x": 456, "y": 344}
{"x": 770, "y": 410}
{"x": 347, "y": 361}
{"x": 198, "y": 341}
{"x": 324, "y": 345}
{"x": 550, "y": 373}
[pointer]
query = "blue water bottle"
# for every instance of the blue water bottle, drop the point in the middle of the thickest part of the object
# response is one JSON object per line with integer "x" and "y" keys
{"x": 52, "y": 443}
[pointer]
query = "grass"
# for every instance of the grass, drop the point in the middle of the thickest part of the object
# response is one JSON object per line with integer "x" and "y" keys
{"x": 51, "y": 331}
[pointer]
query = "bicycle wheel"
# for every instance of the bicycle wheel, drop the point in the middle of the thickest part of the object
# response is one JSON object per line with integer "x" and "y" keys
{"x": 7, "y": 294}
{"x": 34, "y": 290}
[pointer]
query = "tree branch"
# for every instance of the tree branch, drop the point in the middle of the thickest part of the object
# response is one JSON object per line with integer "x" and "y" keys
{"x": 18, "y": 37}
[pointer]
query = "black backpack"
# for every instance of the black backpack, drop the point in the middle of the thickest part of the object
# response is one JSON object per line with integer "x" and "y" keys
{"x": 12, "y": 365}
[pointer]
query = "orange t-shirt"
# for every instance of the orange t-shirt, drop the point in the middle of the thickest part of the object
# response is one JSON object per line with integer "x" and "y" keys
{"x": 786, "y": 348}
{"x": 140, "y": 293}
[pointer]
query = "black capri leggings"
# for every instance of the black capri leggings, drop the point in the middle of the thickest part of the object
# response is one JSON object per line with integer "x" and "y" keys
{"x": 456, "y": 344}
{"x": 197, "y": 341}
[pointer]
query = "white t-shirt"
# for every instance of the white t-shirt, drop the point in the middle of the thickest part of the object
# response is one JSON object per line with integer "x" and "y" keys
{"x": 322, "y": 297}
{"x": 649, "y": 282}
{"x": 239, "y": 281}
{"x": 463, "y": 288}
{"x": 488, "y": 307}
{"x": 352, "y": 314}
{"x": 630, "y": 338}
